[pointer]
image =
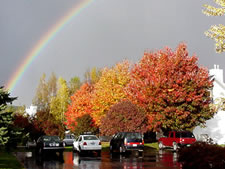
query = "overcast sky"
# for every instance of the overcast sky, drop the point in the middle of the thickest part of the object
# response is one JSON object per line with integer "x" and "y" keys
{"x": 106, "y": 32}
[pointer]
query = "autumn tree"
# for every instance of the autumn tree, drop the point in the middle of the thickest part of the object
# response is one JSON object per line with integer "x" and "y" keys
{"x": 45, "y": 91}
{"x": 79, "y": 106}
{"x": 74, "y": 85}
{"x": 30, "y": 130}
{"x": 123, "y": 116}
{"x": 52, "y": 85}
{"x": 21, "y": 110}
{"x": 85, "y": 123}
{"x": 172, "y": 89}
{"x": 46, "y": 123}
{"x": 216, "y": 32}
{"x": 109, "y": 89}
{"x": 50, "y": 102}
{"x": 93, "y": 75}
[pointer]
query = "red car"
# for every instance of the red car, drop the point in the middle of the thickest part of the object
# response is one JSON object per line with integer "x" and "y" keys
{"x": 177, "y": 139}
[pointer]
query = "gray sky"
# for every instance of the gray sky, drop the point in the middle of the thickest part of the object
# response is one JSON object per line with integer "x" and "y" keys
{"x": 106, "y": 32}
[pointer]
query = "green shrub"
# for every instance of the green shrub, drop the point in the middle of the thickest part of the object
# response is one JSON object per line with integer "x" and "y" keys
{"x": 202, "y": 155}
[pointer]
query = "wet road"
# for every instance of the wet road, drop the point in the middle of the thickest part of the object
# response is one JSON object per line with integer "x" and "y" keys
{"x": 149, "y": 159}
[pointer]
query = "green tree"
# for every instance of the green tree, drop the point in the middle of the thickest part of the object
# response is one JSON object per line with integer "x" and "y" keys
{"x": 216, "y": 32}
{"x": 59, "y": 103}
{"x": 6, "y": 118}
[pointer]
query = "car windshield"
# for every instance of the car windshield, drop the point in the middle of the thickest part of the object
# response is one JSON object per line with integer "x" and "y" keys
{"x": 133, "y": 136}
{"x": 90, "y": 138}
{"x": 68, "y": 136}
{"x": 51, "y": 138}
{"x": 184, "y": 135}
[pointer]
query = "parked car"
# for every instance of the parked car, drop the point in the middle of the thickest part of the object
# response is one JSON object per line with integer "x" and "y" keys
{"x": 87, "y": 143}
{"x": 177, "y": 139}
{"x": 49, "y": 143}
{"x": 31, "y": 143}
{"x": 68, "y": 140}
{"x": 127, "y": 141}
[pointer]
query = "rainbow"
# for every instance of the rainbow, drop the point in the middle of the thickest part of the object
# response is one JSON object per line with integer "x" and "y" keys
{"x": 43, "y": 42}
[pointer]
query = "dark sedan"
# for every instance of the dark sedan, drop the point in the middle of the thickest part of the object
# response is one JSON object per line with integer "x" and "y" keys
{"x": 50, "y": 144}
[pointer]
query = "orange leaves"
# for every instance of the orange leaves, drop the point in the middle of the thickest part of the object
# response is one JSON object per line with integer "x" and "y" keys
{"x": 168, "y": 84}
{"x": 80, "y": 105}
{"x": 109, "y": 89}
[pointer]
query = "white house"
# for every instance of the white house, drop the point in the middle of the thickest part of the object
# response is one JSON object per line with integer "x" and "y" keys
{"x": 32, "y": 110}
{"x": 215, "y": 127}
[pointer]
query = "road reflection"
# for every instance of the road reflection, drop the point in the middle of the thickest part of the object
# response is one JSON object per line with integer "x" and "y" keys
{"x": 149, "y": 159}
{"x": 90, "y": 161}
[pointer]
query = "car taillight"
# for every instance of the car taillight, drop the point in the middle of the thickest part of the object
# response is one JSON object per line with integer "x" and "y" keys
{"x": 143, "y": 142}
{"x": 84, "y": 143}
{"x": 100, "y": 143}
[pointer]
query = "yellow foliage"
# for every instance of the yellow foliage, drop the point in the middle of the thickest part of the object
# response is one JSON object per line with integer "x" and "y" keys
{"x": 109, "y": 89}
{"x": 216, "y": 32}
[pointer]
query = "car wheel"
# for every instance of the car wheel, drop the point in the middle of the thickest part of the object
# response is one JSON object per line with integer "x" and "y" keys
{"x": 161, "y": 146}
{"x": 175, "y": 146}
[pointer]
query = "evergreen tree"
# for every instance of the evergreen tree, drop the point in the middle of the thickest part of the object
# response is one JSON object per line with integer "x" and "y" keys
{"x": 6, "y": 118}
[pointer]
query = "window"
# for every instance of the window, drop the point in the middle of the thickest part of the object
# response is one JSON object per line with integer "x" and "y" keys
{"x": 172, "y": 135}
{"x": 90, "y": 138}
{"x": 134, "y": 136}
{"x": 51, "y": 138}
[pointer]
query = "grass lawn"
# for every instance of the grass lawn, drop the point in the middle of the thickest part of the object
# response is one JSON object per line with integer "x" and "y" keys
{"x": 105, "y": 146}
{"x": 9, "y": 161}
{"x": 152, "y": 145}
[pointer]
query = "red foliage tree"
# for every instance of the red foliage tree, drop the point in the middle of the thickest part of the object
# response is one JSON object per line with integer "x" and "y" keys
{"x": 80, "y": 105}
{"x": 172, "y": 89}
{"x": 123, "y": 116}
{"x": 45, "y": 121}
{"x": 29, "y": 126}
